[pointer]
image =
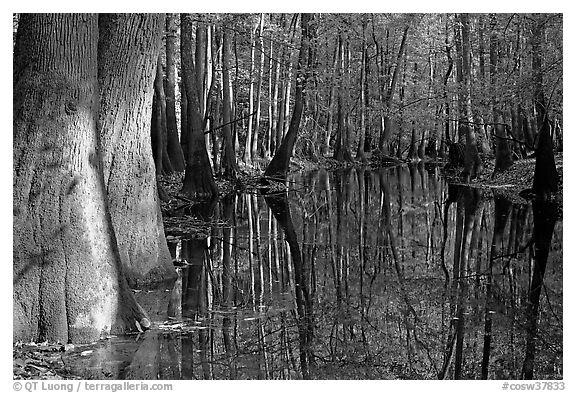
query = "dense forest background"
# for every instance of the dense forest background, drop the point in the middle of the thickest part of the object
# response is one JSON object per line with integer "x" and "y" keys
{"x": 402, "y": 85}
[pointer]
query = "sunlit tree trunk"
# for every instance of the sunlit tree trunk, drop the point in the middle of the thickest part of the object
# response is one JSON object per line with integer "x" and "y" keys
{"x": 271, "y": 104}
{"x": 472, "y": 163}
{"x": 250, "y": 131}
{"x": 125, "y": 74}
{"x": 174, "y": 148}
{"x": 229, "y": 165}
{"x": 68, "y": 284}
{"x": 274, "y": 143}
{"x": 254, "y": 144}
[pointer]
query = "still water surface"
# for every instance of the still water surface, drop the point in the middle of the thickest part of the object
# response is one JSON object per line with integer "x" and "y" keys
{"x": 356, "y": 274}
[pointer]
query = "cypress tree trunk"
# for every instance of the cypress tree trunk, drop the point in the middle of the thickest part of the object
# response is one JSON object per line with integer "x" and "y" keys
{"x": 472, "y": 162}
{"x": 198, "y": 178}
{"x": 330, "y": 109}
{"x": 545, "y": 174}
{"x": 174, "y": 148}
{"x": 247, "y": 158}
{"x": 126, "y": 75}
{"x": 271, "y": 112}
{"x": 254, "y": 144}
{"x": 502, "y": 149}
{"x": 229, "y": 165}
{"x": 279, "y": 166}
{"x": 275, "y": 107}
{"x": 183, "y": 119}
{"x": 159, "y": 121}
{"x": 68, "y": 284}
{"x": 387, "y": 132}
{"x": 341, "y": 150}
{"x": 360, "y": 156}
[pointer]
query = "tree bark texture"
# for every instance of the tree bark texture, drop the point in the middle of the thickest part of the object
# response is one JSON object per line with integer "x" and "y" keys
{"x": 174, "y": 148}
{"x": 159, "y": 127}
{"x": 126, "y": 76}
{"x": 198, "y": 179}
{"x": 68, "y": 282}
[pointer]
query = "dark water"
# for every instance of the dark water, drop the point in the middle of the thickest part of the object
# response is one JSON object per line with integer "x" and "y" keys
{"x": 356, "y": 274}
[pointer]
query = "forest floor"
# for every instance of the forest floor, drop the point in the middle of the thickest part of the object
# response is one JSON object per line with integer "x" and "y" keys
{"x": 45, "y": 361}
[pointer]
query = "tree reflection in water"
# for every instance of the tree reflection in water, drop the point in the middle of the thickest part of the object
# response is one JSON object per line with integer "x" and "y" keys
{"x": 362, "y": 274}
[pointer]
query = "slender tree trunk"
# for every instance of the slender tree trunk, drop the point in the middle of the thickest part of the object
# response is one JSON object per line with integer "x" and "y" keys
{"x": 447, "y": 100}
{"x": 271, "y": 112}
{"x": 159, "y": 121}
{"x": 254, "y": 145}
{"x": 250, "y": 132}
{"x": 68, "y": 284}
{"x": 387, "y": 132}
{"x": 183, "y": 119}
{"x": 229, "y": 165}
{"x": 341, "y": 150}
{"x": 174, "y": 148}
{"x": 360, "y": 156}
{"x": 330, "y": 109}
{"x": 472, "y": 162}
{"x": 502, "y": 149}
{"x": 282, "y": 91}
{"x": 275, "y": 108}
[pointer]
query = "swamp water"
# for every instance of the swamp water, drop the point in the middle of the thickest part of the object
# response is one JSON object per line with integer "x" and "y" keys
{"x": 355, "y": 274}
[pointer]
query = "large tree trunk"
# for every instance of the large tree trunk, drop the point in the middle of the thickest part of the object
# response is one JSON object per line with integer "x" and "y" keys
{"x": 126, "y": 74}
{"x": 68, "y": 282}
{"x": 278, "y": 167}
{"x": 174, "y": 148}
{"x": 198, "y": 179}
